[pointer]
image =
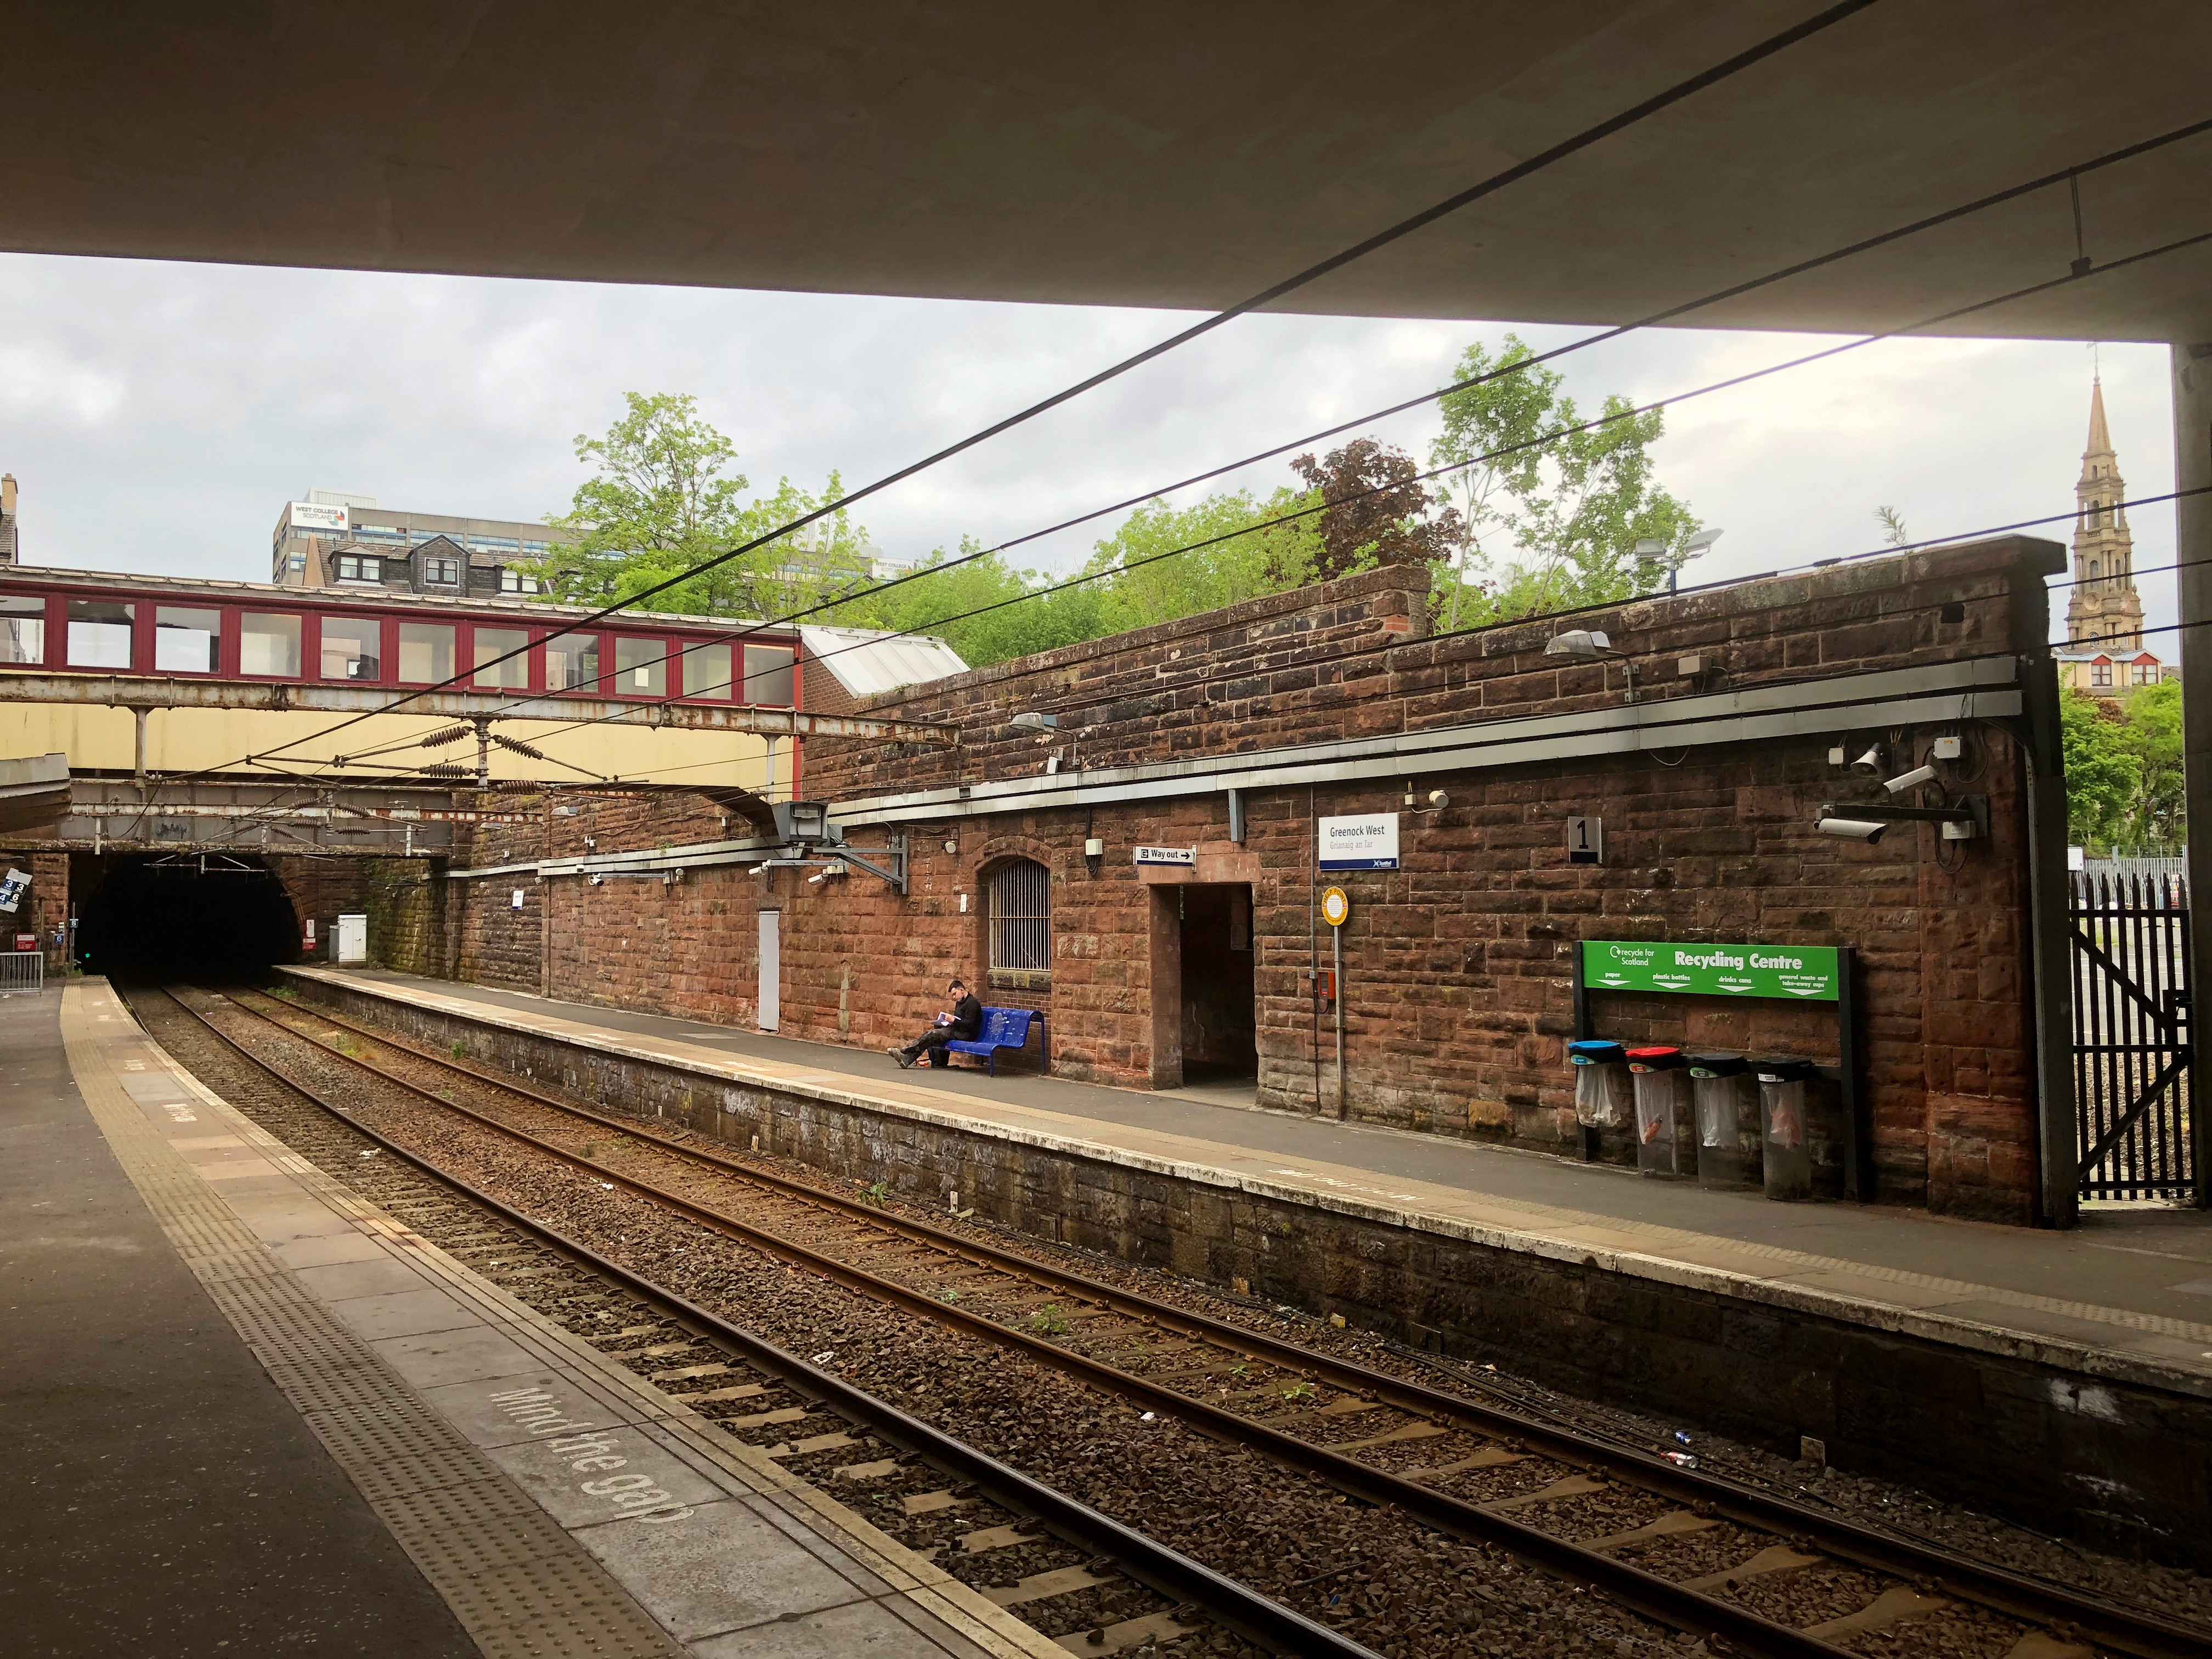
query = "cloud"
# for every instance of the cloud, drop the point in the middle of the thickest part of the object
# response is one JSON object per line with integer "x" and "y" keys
{"x": 159, "y": 416}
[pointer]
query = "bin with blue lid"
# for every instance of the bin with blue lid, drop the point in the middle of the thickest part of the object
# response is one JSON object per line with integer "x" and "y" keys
{"x": 1724, "y": 1096}
{"x": 1665, "y": 1143}
{"x": 1785, "y": 1145}
{"x": 1601, "y": 1086}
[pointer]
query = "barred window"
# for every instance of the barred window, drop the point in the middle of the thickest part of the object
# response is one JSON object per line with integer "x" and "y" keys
{"x": 1021, "y": 915}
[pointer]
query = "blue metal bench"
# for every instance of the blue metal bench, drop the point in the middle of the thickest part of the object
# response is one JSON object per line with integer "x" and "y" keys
{"x": 1002, "y": 1028}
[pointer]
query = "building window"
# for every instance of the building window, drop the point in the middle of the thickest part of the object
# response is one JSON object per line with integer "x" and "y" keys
{"x": 1021, "y": 916}
{"x": 426, "y": 653}
{"x": 706, "y": 671}
{"x": 186, "y": 639}
{"x": 768, "y": 675}
{"x": 641, "y": 666}
{"x": 22, "y": 629}
{"x": 2145, "y": 673}
{"x": 2095, "y": 569}
{"x": 572, "y": 663}
{"x": 493, "y": 643}
{"x": 99, "y": 633}
{"x": 2100, "y": 673}
{"x": 514, "y": 581}
{"x": 268, "y": 645}
{"x": 353, "y": 568}
{"x": 442, "y": 573}
{"x": 352, "y": 648}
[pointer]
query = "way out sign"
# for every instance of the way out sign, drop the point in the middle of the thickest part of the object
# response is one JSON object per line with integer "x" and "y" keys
{"x": 1369, "y": 842}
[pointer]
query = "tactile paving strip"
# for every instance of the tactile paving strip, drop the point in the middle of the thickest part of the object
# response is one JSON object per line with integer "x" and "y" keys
{"x": 518, "y": 1584}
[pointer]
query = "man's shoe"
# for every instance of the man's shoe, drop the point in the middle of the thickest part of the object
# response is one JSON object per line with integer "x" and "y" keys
{"x": 901, "y": 1055}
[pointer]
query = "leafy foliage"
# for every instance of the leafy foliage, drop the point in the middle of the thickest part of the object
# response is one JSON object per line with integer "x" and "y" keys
{"x": 2123, "y": 766}
{"x": 1375, "y": 510}
{"x": 1555, "y": 525}
{"x": 660, "y": 502}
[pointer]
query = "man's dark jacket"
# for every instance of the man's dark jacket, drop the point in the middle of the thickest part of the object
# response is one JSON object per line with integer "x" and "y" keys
{"x": 967, "y": 1018}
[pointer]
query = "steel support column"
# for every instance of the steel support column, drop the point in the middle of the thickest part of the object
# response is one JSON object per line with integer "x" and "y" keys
{"x": 2193, "y": 538}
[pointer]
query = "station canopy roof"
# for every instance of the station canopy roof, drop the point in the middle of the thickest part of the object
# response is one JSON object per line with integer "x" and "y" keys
{"x": 865, "y": 660}
{"x": 1138, "y": 154}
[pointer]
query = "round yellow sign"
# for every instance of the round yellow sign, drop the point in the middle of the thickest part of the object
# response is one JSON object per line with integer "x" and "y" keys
{"x": 1335, "y": 907}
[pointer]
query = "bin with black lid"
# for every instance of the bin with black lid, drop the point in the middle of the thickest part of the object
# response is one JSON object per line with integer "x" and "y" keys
{"x": 1785, "y": 1147}
{"x": 1665, "y": 1144}
{"x": 1601, "y": 1090}
{"x": 1724, "y": 1095}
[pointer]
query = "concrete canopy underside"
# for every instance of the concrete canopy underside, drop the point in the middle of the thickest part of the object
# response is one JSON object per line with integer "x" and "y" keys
{"x": 1139, "y": 155}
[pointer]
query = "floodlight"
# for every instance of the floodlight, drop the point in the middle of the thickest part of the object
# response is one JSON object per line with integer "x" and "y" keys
{"x": 1912, "y": 780}
{"x": 1865, "y": 829}
{"x": 1699, "y": 543}
{"x": 1031, "y": 719}
{"x": 1649, "y": 548}
{"x": 802, "y": 820}
{"x": 1581, "y": 642}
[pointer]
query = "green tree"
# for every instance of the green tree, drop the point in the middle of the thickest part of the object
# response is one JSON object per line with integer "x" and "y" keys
{"x": 939, "y": 602}
{"x": 1557, "y": 524}
{"x": 662, "y": 500}
{"x": 2151, "y": 733}
{"x": 2101, "y": 775}
{"x": 1271, "y": 560}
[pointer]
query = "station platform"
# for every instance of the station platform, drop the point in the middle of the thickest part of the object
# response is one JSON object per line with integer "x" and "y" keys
{"x": 256, "y": 1415}
{"x": 2128, "y": 1293}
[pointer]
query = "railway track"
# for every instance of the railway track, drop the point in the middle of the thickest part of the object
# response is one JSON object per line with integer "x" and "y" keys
{"x": 1711, "y": 1557}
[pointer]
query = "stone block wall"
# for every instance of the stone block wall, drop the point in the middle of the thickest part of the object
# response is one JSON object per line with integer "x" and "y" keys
{"x": 1456, "y": 987}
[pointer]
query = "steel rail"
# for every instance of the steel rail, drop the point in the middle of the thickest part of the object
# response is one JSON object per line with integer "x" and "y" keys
{"x": 1668, "y": 1603}
{"x": 1235, "y": 1606}
{"x": 2121, "y": 1629}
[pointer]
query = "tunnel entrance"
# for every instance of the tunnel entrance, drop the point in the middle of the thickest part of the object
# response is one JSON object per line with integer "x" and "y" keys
{"x": 183, "y": 915}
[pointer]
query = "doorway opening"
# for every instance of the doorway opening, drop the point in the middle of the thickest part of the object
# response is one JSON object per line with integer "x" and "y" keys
{"x": 1220, "y": 1027}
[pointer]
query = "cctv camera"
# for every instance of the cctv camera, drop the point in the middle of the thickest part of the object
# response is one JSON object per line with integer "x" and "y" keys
{"x": 1872, "y": 760}
{"x": 597, "y": 881}
{"x": 1866, "y": 830}
{"x": 1912, "y": 780}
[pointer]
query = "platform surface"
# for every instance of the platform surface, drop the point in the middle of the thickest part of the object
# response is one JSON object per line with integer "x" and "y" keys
{"x": 291, "y": 1425}
{"x": 2128, "y": 1293}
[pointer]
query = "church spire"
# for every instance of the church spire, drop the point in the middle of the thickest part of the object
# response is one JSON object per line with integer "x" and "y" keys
{"x": 2100, "y": 439}
{"x": 2105, "y": 613}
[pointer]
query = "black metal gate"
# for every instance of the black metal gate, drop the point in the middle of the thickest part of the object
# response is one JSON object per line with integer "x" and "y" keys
{"x": 2131, "y": 1054}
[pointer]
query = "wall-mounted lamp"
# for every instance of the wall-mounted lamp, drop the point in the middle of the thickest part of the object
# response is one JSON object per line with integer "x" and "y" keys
{"x": 1584, "y": 643}
{"x": 1032, "y": 719}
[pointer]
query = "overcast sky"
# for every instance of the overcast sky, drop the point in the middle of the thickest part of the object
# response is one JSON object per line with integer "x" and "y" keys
{"x": 158, "y": 416}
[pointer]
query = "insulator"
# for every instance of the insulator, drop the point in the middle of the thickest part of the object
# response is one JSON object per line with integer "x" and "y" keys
{"x": 440, "y": 739}
{"x": 518, "y": 746}
{"x": 447, "y": 769}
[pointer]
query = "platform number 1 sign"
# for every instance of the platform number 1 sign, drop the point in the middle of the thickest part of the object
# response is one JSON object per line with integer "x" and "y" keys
{"x": 1586, "y": 841}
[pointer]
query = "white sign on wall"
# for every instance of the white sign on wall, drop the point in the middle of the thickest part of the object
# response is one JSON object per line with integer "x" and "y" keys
{"x": 1185, "y": 856}
{"x": 1360, "y": 843}
{"x": 314, "y": 515}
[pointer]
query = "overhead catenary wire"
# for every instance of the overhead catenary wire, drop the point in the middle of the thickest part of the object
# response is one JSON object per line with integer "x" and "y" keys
{"x": 2067, "y": 175}
{"x": 1663, "y": 99}
{"x": 1539, "y": 441}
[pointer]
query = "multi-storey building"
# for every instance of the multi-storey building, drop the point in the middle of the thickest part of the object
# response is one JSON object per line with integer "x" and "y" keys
{"x": 335, "y": 538}
{"x": 7, "y": 537}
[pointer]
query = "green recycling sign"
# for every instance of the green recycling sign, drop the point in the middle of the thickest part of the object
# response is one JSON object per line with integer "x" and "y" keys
{"x": 1805, "y": 973}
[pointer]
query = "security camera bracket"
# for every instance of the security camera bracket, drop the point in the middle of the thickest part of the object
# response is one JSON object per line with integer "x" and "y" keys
{"x": 1968, "y": 809}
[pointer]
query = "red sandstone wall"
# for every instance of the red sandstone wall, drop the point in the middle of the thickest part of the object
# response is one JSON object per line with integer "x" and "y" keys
{"x": 1457, "y": 965}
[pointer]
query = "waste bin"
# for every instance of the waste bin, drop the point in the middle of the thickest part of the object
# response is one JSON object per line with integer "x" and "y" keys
{"x": 1725, "y": 1096}
{"x": 1665, "y": 1143}
{"x": 1785, "y": 1147}
{"x": 1602, "y": 1099}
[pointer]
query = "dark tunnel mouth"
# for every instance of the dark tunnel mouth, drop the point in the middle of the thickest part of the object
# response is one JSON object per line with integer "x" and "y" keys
{"x": 179, "y": 916}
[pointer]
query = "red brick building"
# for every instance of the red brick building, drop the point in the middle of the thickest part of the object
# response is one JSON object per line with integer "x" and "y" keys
{"x": 1704, "y": 741}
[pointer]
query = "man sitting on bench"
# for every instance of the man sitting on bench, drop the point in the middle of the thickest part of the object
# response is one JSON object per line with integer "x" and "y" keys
{"x": 959, "y": 1024}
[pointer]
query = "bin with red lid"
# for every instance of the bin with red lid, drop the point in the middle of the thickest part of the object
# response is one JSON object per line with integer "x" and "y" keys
{"x": 1666, "y": 1144}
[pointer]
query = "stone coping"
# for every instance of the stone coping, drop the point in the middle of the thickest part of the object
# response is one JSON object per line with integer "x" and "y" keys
{"x": 2091, "y": 1339}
